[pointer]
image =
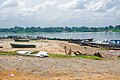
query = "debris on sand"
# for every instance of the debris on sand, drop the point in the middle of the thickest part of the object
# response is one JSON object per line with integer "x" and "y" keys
{"x": 12, "y": 75}
{"x": 31, "y": 53}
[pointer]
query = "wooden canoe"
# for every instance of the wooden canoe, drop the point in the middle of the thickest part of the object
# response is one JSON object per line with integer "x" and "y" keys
{"x": 15, "y": 45}
{"x": 21, "y": 40}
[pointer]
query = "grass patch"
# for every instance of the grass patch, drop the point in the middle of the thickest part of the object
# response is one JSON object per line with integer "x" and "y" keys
{"x": 91, "y": 57}
{"x": 61, "y": 56}
{"x": 68, "y": 56}
{"x": 103, "y": 48}
{"x": 58, "y": 55}
{"x": 14, "y": 53}
{"x": 7, "y": 53}
{"x": 35, "y": 52}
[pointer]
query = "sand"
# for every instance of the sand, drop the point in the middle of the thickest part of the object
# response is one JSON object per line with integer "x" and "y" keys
{"x": 17, "y": 67}
{"x": 33, "y": 68}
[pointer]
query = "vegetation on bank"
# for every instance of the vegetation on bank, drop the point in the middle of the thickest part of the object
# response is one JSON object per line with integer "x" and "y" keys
{"x": 18, "y": 29}
{"x": 7, "y": 53}
{"x": 103, "y": 48}
{"x": 58, "y": 55}
{"x": 81, "y": 56}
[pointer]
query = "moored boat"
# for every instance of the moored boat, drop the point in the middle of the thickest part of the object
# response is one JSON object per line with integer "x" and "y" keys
{"x": 21, "y": 40}
{"x": 112, "y": 44}
{"x": 21, "y": 45}
{"x": 72, "y": 40}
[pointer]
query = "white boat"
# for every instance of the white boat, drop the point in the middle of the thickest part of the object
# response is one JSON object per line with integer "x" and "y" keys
{"x": 111, "y": 44}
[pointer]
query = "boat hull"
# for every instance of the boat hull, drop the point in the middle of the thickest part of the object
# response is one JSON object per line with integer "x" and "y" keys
{"x": 23, "y": 45}
{"x": 109, "y": 46}
{"x": 21, "y": 40}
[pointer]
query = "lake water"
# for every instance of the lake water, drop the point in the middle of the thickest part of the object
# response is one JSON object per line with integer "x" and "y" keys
{"x": 75, "y": 35}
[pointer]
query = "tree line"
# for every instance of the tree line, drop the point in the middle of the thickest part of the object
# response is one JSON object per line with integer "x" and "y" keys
{"x": 18, "y": 29}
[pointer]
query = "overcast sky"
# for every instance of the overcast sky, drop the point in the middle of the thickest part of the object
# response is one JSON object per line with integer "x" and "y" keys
{"x": 59, "y": 12}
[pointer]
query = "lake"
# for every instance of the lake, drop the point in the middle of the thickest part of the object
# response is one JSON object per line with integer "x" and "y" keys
{"x": 75, "y": 35}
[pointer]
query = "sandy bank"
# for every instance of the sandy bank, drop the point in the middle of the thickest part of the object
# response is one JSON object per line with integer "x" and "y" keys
{"x": 55, "y": 47}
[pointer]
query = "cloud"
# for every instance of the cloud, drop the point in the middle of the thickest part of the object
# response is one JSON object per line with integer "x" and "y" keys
{"x": 100, "y": 7}
{"x": 59, "y": 12}
{"x": 23, "y": 7}
{"x": 91, "y": 5}
{"x": 9, "y": 3}
{"x": 48, "y": 4}
{"x": 34, "y": 9}
{"x": 74, "y": 4}
{"x": 104, "y": 5}
{"x": 15, "y": 3}
{"x": 25, "y": 4}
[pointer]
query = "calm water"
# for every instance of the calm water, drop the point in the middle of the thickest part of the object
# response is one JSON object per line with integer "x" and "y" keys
{"x": 75, "y": 35}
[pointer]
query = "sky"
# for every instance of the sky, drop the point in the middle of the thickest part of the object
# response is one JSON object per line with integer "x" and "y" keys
{"x": 59, "y": 13}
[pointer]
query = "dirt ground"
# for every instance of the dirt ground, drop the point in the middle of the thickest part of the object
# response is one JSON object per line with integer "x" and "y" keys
{"x": 33, "y": 68}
